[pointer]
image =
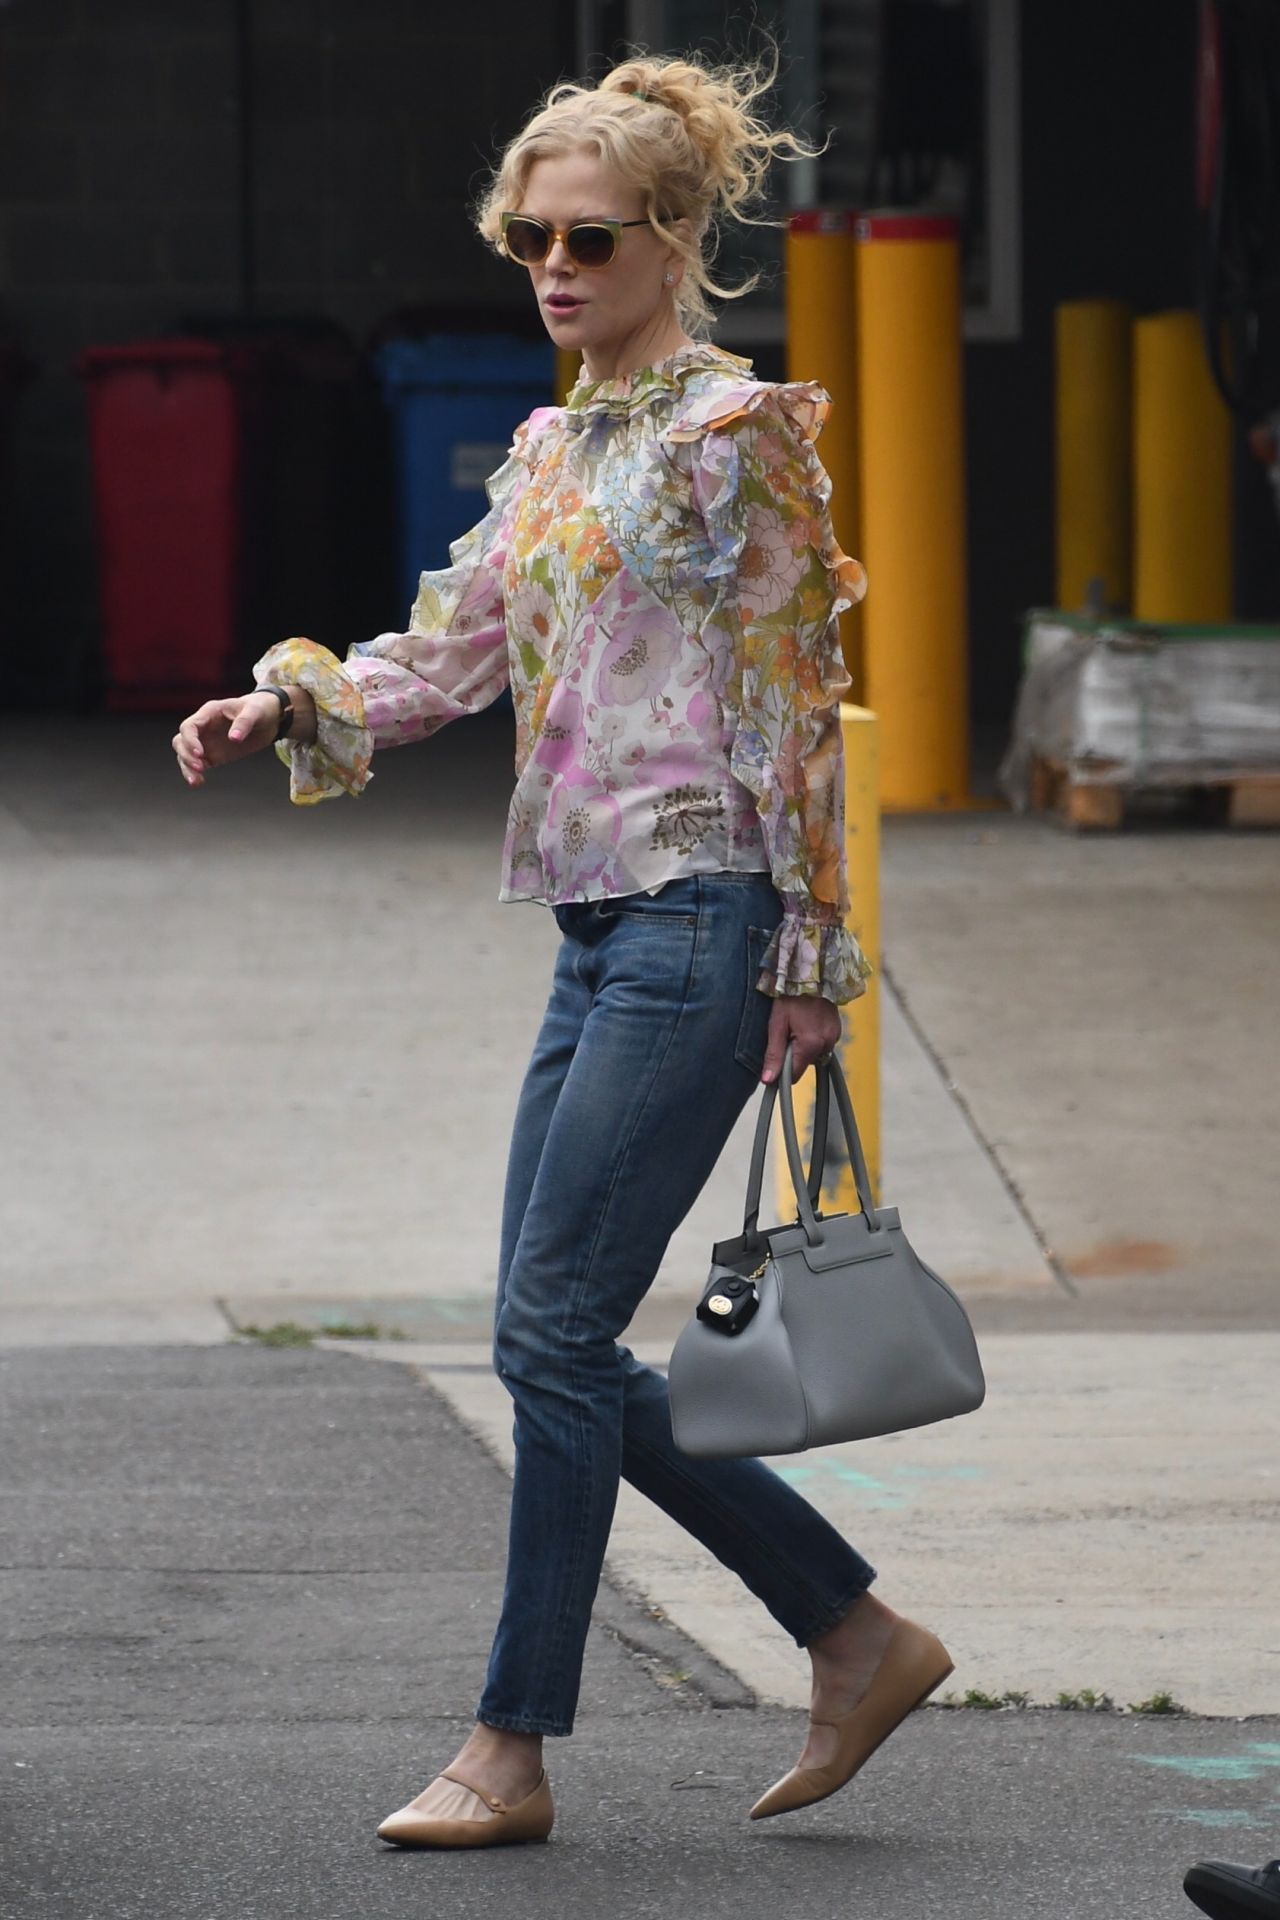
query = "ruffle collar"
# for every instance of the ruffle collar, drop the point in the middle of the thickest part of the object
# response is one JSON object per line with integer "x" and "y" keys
{"x": 632, "y": 393}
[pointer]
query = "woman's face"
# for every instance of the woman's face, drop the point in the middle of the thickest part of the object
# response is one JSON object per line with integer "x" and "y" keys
{"x": 600, "y": 312}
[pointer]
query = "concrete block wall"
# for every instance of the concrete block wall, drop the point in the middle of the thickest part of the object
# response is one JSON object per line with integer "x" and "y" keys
{"x": 373, "y": 122}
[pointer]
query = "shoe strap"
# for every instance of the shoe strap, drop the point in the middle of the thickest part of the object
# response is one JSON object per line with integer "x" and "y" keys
{"x": 496, "y": 1806}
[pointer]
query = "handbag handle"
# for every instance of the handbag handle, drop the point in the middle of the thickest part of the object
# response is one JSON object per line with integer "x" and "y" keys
{"x": 830, "y": 1075}
{"x": 760, "y": 1145}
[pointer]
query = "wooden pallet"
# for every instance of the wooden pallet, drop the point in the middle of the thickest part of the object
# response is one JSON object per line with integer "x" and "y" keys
{"x": 1098, "y": 802}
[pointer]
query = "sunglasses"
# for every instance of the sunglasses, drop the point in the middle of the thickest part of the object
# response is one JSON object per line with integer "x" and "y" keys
{"x": 588, "y": 243}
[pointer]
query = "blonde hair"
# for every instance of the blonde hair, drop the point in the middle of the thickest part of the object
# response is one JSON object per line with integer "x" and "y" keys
{"x": 682, "y": 131}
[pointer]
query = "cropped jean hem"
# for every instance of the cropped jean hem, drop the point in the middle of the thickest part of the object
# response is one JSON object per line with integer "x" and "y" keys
{"x": 828, "y": 1617}
{"x": 518, "y": 1723}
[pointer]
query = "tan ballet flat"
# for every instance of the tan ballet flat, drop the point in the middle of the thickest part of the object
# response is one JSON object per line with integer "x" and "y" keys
{"x": 455, "y": 1815}
{"x": 914, "y": 1665}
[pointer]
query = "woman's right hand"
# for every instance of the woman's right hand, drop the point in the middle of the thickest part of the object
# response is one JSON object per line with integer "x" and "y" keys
{"x": 223, "y": 730}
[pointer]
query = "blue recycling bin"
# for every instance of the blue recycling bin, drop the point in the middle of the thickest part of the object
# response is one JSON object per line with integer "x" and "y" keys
{"x": 455, "y": 402}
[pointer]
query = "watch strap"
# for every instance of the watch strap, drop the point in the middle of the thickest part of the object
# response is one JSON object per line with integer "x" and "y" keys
{"x": 286, "y": 709}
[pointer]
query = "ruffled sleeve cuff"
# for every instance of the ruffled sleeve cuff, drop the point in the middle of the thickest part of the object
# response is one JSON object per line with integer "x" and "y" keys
{"x": 814, "y": 957}
{"x": 337, "y": 760}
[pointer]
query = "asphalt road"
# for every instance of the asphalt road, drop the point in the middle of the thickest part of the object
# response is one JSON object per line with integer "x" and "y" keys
{"x": 246, "y": 1597}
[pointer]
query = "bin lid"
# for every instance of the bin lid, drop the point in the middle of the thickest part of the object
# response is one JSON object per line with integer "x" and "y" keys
{"x": 839, "y": 220}
{"x": 444, "y": 360}
{"x": 907, "y": 226}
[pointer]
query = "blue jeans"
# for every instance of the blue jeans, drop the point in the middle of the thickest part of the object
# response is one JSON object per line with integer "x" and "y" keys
{"x": 651, "y": 1045}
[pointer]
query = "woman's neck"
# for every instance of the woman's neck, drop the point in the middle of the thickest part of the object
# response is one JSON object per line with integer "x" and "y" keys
{"x": 612, "y": 359}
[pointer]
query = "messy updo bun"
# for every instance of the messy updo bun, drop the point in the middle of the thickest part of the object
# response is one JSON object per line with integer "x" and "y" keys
{"x": 682, "y": 131}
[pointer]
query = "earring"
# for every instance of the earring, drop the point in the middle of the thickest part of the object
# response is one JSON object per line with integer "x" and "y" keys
{"x": 669, "y": 279}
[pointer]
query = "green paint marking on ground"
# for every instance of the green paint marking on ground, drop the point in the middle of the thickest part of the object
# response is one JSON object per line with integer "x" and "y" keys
{"x": 1259, "y": 1758}
{"x": 876, "y": 1490}
{"x": 460, "y": 1311}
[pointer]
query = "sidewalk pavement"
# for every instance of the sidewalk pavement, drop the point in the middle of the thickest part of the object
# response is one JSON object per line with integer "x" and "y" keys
{"x": 247, "y": 1600}
{"x": 1065, "y": 1539}
{"x": 259, "y": 1065}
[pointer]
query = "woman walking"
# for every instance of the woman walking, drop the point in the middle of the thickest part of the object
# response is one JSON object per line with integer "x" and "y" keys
{"x": 658, "y": 582}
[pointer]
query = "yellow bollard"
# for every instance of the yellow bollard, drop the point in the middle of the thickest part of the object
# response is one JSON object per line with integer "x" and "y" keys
{"x": 568, "y": 368}
{"x": 1093, "y": 454}
{"x": 821, "y": 300}
{"x": 1181, "y": 476}
{"x": 911, "y": 439}
{"x": 859, "y": 1048}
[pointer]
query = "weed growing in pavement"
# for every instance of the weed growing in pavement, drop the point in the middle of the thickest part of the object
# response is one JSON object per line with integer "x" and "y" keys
{"x": 986, "y": 1702}
{"x": 1086, "y": 1701}
{"x": 285, "y": 1333}
{"x": 358, "y": 1330}
{"x": 1158, "y": 1703}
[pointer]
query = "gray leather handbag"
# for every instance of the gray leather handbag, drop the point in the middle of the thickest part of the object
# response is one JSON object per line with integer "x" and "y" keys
{"x": 829, "y": 1329}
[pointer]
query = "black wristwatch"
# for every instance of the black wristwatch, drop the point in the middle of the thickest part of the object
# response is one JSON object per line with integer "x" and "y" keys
{"x": 286, "y": 709}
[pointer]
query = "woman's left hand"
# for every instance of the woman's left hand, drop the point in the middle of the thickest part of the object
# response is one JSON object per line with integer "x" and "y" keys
{"x": 810, "y": 1023}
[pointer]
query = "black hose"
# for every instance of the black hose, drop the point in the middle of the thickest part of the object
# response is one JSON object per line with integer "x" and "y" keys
{"x": 1239, "y": 279}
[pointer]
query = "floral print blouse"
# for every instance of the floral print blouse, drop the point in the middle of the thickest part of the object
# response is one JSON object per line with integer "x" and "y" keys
{"x": 657, "y": 581}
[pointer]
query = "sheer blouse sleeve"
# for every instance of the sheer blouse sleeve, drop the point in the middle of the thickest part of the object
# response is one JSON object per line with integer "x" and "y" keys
{"x": 782, "y": 581}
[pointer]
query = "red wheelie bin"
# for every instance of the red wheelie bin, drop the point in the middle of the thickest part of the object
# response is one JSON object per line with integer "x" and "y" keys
{"x": 170, "y": 427}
